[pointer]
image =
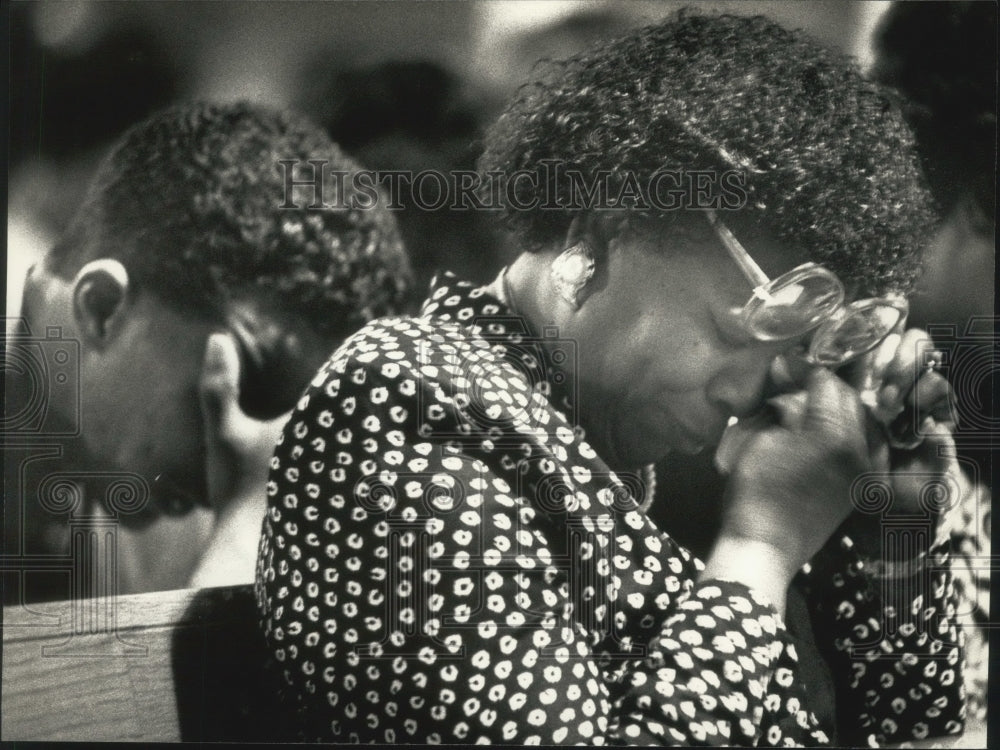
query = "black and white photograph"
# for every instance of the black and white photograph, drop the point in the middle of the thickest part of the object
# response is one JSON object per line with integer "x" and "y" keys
{"x": 520, "y": 372}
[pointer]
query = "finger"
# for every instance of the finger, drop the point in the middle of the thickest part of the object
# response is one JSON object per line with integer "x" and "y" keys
{"x": 788, "y": 373}
{"x": 834, "y": 411}
{"x": 855, "y": 419}
{"x": 790, "y": 408}
{"x": 735, "y": 439}
{"x": 867, "y": 372}
{"x": 941, "y": 440}
{"x": 932, "y": 396}
{"x": 905, "y": 367}
{"x": 269, "y": 432}
{"x": 921, "y": 486}
{"x": 277, "y": 424}
{"x": 879, "y": 449}
{"x": 219, "y": 382}
{"x": 876, "y": 438}
{"x": 936, "y": 453}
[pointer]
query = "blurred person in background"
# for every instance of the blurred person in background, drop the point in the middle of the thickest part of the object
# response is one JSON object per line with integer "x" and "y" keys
{"x": 413, "y": 116}
{"x": 69, "y": 100}
{"x": 942, "y": 59}
{"x": 457, "y": 547}
{"x": 203, "y": 295}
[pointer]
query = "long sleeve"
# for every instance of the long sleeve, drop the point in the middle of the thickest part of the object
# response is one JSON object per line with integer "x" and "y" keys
{"x": 721, "y": 672}
{"x": 886, "y": 623}
{"x": 420, "y": 583}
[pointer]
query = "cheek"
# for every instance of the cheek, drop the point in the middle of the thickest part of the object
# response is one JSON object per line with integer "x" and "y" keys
{"x": 676, "y": 332}
{"x": 145, "y": 407}
{"x": 109, "y": 399}
{"x": 173, "y": 361}
{"x": 166, "y": 438}
{"x": 174, "y": 408}
{"x": 674, "y": 352}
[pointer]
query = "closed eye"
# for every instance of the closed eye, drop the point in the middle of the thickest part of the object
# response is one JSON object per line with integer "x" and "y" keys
{"x": 729, "y": 327}
{"x": 731, "y": 331}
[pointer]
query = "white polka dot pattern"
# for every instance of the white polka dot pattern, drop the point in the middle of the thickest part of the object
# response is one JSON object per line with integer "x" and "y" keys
{"x": 892, "y": 641}
{"x": 446, "y": 560}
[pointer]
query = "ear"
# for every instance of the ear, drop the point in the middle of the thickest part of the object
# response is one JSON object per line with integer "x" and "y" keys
{"x": 581, "y": 268}
{"x": 100, "y": 299}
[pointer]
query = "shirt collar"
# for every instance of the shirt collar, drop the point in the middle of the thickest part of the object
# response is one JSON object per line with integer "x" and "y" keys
{"x": 510, "y": 335}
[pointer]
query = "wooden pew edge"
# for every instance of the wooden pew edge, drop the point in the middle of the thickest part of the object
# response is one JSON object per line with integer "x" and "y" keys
{"x": 134, "y": 612}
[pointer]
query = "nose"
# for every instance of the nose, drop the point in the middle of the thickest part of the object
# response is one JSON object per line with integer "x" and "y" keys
{"x": 743, "y": 383}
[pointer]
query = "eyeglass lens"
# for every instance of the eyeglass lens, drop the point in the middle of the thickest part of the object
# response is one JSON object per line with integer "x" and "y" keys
{"x": 862, "y": 327}
{"x": 793, "y": 304}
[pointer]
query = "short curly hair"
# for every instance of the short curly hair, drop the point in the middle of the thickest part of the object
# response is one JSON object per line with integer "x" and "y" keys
{"x": 829, "y": 163}
{"x": 192, "y": 202}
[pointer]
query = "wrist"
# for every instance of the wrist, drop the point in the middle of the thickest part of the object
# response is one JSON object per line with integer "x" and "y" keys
{"x": 241, "y": 515}
{"x": 762, "y": 566}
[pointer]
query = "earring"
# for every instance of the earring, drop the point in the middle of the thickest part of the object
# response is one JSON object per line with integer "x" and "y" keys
{"x": 571, "y": 272}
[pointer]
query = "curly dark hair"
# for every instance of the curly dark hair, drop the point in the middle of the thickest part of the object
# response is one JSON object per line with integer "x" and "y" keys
{"x": 192, "y": 203}
{"x": 829, "y": 163}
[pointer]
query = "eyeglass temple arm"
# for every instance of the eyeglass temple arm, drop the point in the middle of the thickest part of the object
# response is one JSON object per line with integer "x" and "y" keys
{"x": 755, "y": 275}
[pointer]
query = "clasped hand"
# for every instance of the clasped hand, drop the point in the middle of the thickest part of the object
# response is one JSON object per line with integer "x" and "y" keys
{"x": 792, "y": 477}
{"x": 238, "y": 451}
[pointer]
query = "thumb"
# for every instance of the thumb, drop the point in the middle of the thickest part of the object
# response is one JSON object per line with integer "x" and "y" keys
{"x": 790, "y": 408}
{"x": 219, "y": 387}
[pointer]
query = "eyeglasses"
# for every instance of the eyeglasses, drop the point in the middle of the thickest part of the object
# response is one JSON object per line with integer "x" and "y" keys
{"x": 811, "y": 297}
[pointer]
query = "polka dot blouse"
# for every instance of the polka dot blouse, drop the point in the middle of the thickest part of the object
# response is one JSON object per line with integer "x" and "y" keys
{"x": 446, "y": 560}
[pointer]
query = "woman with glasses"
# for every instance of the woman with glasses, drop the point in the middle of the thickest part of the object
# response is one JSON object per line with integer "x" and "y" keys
{"x": 716, "y": 215}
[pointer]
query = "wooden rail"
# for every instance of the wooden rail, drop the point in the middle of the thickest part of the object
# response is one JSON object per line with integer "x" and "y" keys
{"x": 166, "y": 666}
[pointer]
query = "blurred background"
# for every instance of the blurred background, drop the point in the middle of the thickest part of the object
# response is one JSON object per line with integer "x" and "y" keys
{"x": 400, "y": 85}
{"x": 411, "y": 85}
